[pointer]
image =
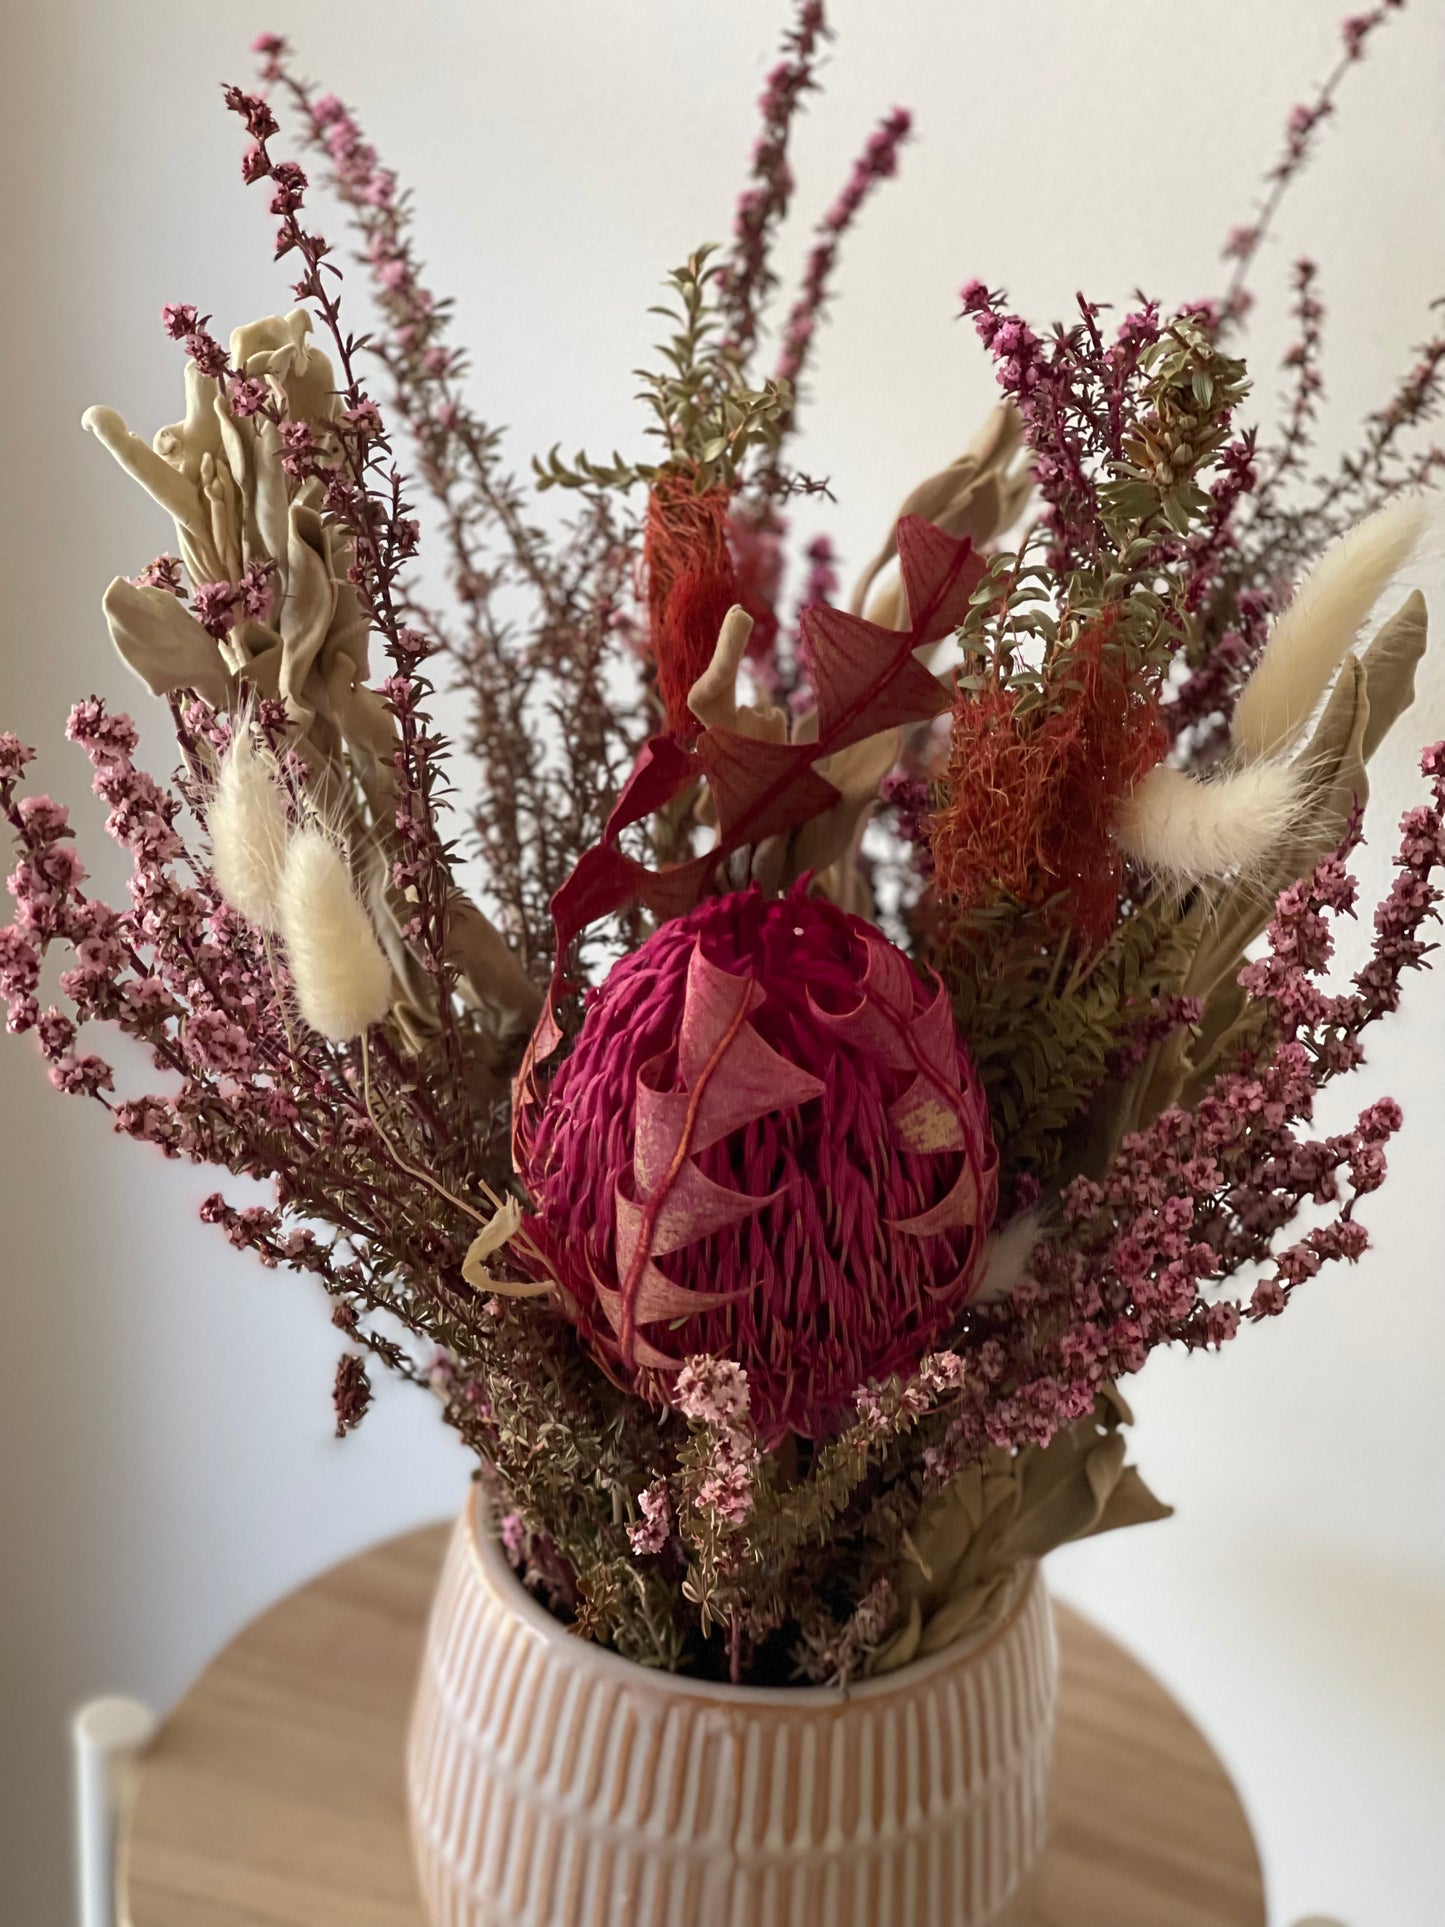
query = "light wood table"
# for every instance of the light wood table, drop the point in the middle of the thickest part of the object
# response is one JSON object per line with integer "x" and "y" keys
{"x": 272, "y": 1797}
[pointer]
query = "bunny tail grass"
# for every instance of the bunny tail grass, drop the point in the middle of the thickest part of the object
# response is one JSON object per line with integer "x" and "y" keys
{"x": 1310, "y": 639}
{"x": 342, "y": 978}
{"x": 1186, "y": 830}
{"x": 1006, "y": 1257}
{"x": 249, "y": 833}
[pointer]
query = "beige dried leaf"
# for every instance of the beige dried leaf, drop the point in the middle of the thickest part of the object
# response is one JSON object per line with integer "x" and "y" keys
{"x": 973, "y": 1541}
{"x": 492, "y": 976}
{"x": 975, "y": 495}
{"x": 158, "y": 638}
{"x": 855, "y": 772}
{"x": 901, "y": 1649}
{"x": 1064, "y": 1491}
{"x": 970, "y": 1612}
{"x": 713, "y": 698}
{"x": 176, "y": 492}
{"x": 1390, "y": 663}
{"x": 221, "y": 481}
{"x": 1131, "y": 1503}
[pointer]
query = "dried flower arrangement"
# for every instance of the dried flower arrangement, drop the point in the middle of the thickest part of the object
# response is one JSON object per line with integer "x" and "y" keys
{"x": 867, "y": 1055}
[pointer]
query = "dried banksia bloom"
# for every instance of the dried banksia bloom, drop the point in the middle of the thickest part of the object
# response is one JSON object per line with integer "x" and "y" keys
{"x": 768, "y": 1144}
{"x": 1311, "y": 638}
{"x": 249, "y": 833}
{"x": 1031, "y": 795}
{"x": 1187, "y": 830}
{"x": 342, "y": 978}
{"x": 690, "y": 585}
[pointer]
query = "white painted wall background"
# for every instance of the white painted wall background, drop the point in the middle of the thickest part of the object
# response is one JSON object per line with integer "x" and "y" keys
{"x": 165, "y": 1460}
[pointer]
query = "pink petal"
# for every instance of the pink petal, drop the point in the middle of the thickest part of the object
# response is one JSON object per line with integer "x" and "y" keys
{"x": 658, "y": 1298}
{"x": 940, "y": 573}
{"x": 879, "y": 1023}
{"x": 713, "y": 1001}
{"x": 692, "y": 1207}
{"x": 762, "y": 788}
{"x": 936, "y": 1034}
{"x": 960, "y": 1207}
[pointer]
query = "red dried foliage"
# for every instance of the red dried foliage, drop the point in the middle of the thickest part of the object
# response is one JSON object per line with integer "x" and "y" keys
{"x": 690, "y": 586}
{"x": 1030, "y": 798}
{"x": 866, "y": 679}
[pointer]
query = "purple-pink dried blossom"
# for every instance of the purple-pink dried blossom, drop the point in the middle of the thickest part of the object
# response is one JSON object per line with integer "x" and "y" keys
{"x": 656, "y": 1527}
{"x": 351, "y": 1393}
{"x": 214, "y": 605}
{"x": 247, "y": 396}
{"x": 711, "y": 1391}
{"x": 163, "y": 573}
{"x": 180, "y": 318}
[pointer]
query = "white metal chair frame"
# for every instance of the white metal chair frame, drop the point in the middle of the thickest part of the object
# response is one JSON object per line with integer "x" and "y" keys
{"x": 107, "y": 1736}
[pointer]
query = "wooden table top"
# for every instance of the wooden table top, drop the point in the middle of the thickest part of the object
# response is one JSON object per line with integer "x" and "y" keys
{"x": 272, "y": 1797}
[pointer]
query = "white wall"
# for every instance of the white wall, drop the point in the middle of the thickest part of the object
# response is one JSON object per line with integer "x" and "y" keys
{"x": 164, "y": 1421}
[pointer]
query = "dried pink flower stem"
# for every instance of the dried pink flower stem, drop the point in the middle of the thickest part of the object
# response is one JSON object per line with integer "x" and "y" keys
{"x": 1199, "y": 1194}
{"x": 533, "y": 817}
{"x": 747, "y": 278}
{"x": 878, "y": 162}
{"x": 366, "y": 496}
{"x": 1302, "y": 358}
{"x": 189, "y": 980}
{"x": 1301, "y": 132}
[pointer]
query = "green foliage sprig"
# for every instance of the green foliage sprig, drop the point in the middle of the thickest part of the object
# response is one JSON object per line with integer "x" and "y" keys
{"x": 705, "y": 415}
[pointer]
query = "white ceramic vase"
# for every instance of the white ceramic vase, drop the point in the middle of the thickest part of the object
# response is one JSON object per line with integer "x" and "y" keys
{"x": 553, "y": 1784}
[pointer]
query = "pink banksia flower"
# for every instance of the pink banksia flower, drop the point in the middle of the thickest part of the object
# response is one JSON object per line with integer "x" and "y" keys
{"x": 768, "y": 1146}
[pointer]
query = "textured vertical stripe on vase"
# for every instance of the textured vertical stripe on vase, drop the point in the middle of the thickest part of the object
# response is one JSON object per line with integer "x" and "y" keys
{"x": 555, "y": 1785}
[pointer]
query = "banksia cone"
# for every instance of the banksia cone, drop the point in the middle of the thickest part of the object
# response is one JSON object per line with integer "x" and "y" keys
{"x": 767, "y": 1144}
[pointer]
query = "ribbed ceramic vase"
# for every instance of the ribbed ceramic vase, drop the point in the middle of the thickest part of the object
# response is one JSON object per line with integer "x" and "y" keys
{"x": 553, "y": 1784}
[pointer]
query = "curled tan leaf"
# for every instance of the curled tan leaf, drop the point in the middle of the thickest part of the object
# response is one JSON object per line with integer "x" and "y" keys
{"x": 498, "y": 1232}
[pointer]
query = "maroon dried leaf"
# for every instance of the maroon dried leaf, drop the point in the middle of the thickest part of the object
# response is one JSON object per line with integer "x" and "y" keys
{"x": 866, "y": 680}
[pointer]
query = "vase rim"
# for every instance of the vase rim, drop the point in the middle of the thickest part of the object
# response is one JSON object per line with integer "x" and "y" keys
{"x": 486, "y": 1549}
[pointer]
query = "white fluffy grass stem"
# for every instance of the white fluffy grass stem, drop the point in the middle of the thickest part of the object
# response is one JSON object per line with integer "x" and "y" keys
{"x": 342, "y": 977}
{"x": 1311, "y": 637}
{"x": 1006, "y": 1257}
{"x": 250, "y": 831}
{"x": 1187, "y": 830}
{"x": 343, "y": 981}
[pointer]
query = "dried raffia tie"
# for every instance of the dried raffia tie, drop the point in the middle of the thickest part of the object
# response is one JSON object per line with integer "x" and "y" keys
{"x": 496, "y": 1231}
